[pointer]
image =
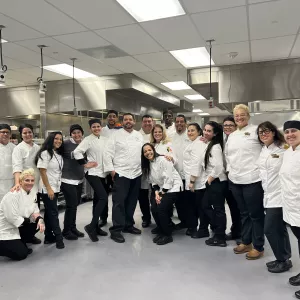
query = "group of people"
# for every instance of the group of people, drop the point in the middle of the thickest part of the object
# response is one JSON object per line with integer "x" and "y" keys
{"x": 255, "y": 169}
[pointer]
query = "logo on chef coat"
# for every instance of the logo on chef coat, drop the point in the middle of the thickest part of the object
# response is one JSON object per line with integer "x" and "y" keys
{"x": 247, "y": 133}
{"x": 169, "y": 149}
{"x": 275, "y": 155}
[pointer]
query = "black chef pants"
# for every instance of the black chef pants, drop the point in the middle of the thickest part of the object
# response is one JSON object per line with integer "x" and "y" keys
{"x": 108, "y": 186}
{"x": 236, "y": 226}
{"x": 52, "y": 227}
{"x": 100, "y": 197}
{"x": 214, "y": 207}
{"x": 17, "y": 249}
{"x": 161, "y": 212}
{"x": 195, "y": 210}
{"x": 277, "y": 234}
{"x": 181, "y": 206}
{"x": 72, "y": 194}
{"x": 296, "y": 232}
{"x": 249, "y": 198}
{"x": 124, "y": 197}
{"x": 145, "y": 204}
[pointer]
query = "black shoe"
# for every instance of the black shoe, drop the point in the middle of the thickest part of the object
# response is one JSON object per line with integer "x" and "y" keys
{"x": 155, "y": 230}
{"x": 49, "y": 240}
{"x": 35, "y": 241}
{"x": 179, "y": 226}
{"x": 91, "y": 233}
{"x": 230, "y": 236}
{"x": 199, "y": 234}
{"x": 102, "y": 222}
{"x": 101, "y": 232}
{"x": 297, "y": 294}
{"x": 190, "y": 231}
{"x": 29, "y": 251}
{"x": 117, "y": 237}
{"x": 146, "y": 224}
{"x": 70, "y": 236}
{"x": 132, "y": 230}
{"x": 156, "y": 238}
{"x": 295, "y": 280}
{"x": 77, "y": 232}
{"x": 281, "y": 266}
{"x": 164, "y": 240}
{"x": 60, "y": 244}
{"x": 215, "y": 242}
{"x": 271, "y": 264}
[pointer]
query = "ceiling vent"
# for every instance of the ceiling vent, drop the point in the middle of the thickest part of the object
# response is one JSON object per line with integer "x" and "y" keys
{"x": 101, "y": 53}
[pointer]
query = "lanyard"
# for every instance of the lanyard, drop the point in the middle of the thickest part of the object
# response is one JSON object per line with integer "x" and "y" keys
{"x": 59, "y": 163}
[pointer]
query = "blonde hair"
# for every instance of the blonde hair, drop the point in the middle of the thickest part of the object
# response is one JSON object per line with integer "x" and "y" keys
{"x": 25, "y": 173}
{"x": 164, "y": 134}
{"x": 242, "y": 107}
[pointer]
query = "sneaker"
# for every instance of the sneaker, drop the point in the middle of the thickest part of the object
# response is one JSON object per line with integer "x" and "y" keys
{"x": 215, "y": 242}
{"x": 77, "y": 232}
{"x": 281, "y": 266}
{"x": 70, "y": 236}
{"x": 254, "y": 254}
{"x": 60, "y": 244}
{"x": 92, "y": 233}
{"x": 242, "y": 248}
{"x": 164, "y": 240}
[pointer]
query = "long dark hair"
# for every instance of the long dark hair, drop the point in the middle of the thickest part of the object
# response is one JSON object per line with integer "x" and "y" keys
{"x": 278, "y": 136}
{"x": 48, "y": 145}
{"x": 197, "y": 127}
{"x": 145, "y": 161}
{"x": 217, "y": 139}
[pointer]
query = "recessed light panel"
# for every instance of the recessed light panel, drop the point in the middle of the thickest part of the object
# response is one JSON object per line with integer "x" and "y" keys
{"x": 197, "y": 110}
{"x": 204, "y": 114}
{"x": 177, "y": 85}
{"x": 194, "y": 97}
{"x": 67, "y": 70}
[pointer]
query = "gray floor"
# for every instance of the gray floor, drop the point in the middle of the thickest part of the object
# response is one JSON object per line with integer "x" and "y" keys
{"x": 140, "y": 270}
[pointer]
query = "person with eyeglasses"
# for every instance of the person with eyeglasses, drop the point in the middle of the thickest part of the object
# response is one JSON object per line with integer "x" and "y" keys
{"x": 270, "y": 162}
{"x": 6, "y": 170}
{"x": 229, "y": 127}
{"x": 242, "y": 153}
{"x": 289, "y": 176}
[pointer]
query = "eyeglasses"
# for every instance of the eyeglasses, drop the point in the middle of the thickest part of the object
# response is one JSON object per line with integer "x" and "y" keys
{"x": 5, "y": 132}
{"x": 264, "y": 132}
{"x": 228, "y": 126}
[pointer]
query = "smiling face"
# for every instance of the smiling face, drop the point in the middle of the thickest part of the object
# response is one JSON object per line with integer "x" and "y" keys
{"x": 27, "y": 135}
{"x": 266, "y": 136}
{"x": 180, "y": 124}
{"x": 208, "y": 132}
{"x": 112, "y": 119}
{"x": 229, "y": 127}
{"x": 157, "y": 134}
{"x": 192, "y": 133}
{"x": 168, "y": 118}
{"x": 96, "y": 129}
{"x": 128, "y": 122}
{"x": 4, "y": 136}
{"x": 76, "y": 135}
{"x": 241, "y": 118}
{"x": 57, "y": 141}
{"x": 27, "y": 183}
{"x": 148, "y": 152}
{"x": 292, "y": 137}
{"x": 147, "y": 125}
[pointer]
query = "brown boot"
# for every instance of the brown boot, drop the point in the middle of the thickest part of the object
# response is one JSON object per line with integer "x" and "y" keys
{"x": 254, "y": 254}
{"x": 242, "y": 248}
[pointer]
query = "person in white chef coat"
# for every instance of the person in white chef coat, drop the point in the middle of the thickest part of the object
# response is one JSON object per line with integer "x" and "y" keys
{"x": 144, "y": 201}
{"x": 242, "y": 153}
{"x": 168, "y": 118}
{"x": 50, "y": 163}
{"x": 123, "y": 159}
{"x": 20, "y": 218}
{"x": 195, "y": 178}
{"x": 166, "y": 184}
{"x": 270, "y": 161}
{"x": 6, "y": 170}
{"x": 289, "y": 176}
{"x": 93, "y": 147}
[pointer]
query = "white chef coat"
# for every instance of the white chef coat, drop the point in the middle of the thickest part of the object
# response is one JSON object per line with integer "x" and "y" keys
{"x": 289, "y": 176}
{"x": 6, "y": 169}
{"x": 171, "y": 130}
{"x": 165, "y": 148}
{"x": 146, "y": 136}
{"x": 14, "y": 207}
{"x": 242, "y": 153}
{"x": 164, "y": 174}
{"x": 23, "y": 158}
{"x": 193, "y": 160}
{"x": 54, "y": 168}
{"x": 123, "y": 154}
{"x": 93, "y": 146}
{"x": 215, "y": 166}
{"x": 179, "y": 143}
{"x": 108, "y": 132}
{"x": 270, "y": 161}
{"x": 144, "y": 181}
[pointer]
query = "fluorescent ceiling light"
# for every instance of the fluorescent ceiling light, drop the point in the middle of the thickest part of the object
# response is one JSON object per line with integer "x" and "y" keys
{"x": 3, "y": 41}
{"x": 204, "y": 114}
{"x": 197, "y": 110}
{"x": 194, "y": 57}
{"x": 194, "y": 97}
{"x": 177, "y": 85}
{"x": 67, "y": 70}
{"x": 2, "y": 84}
{"x": 146, "y": 10}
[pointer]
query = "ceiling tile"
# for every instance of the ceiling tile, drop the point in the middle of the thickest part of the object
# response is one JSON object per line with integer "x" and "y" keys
{"x": 159, "y": 61}
{"x": 14, "y": 64}
{"x": 220, "y": 53}
{"x": 11, "y": 82}
{"x": 97, "y": 14}
{"x": 271, "y": 49}
{"x": 273, "y": 19}
{"x": 174, "y": 33}
{"x": 193, "y": 6}
{"x": 16, "y": 31}
{"x": 126, "y": 64}
{"x": 131, "y": 38}
{"x": 152, "y": 77}
{"x": 82, "y": 40}
{"x": 225, "y": 26}
{"x": 96, "y": 68}
{"x": 259, "y": 1}
{"x": 47, "y": 75}
{"x": 21, "y": 76}
{"x": 174, "y": 75}
{"x": 296, "y": 49}
{"x": 41, "y": 15}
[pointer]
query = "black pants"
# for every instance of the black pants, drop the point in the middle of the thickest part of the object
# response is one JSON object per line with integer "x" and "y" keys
{"x": 108, "y": 186}
{"x": 100, "y": 197}
{"x": 195, "y": 210}
{"x": 72, "y": 194}
{"x": 214, "y": 207}
{"x": 296, "y": 232}
{"x": 236, "y": 226}
{"x": 161, "y": 212}
{"x": 52, "y": 227}
{"x": 277, "y": 234}
{"x": 145, "y": 204}
{"x": 249, "y": 198}
{"x": 124, "y": 197}
{"x": 181, "y": 206}
{"x": 17, "y": 249}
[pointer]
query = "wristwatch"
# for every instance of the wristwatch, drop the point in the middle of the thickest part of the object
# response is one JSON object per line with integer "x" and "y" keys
{"x": 160, "y": 194}
{"x": 192, "y": 181}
